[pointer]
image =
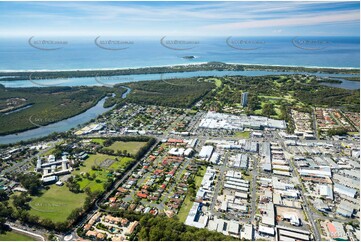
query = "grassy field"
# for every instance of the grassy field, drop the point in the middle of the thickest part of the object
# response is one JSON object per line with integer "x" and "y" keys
{"x": 199, "y": 176}
{"x": 242, "y": 135}
{"x": 131, "y": 147}
{"x": 187, "y": 204}
{"x": 13, "y": 236}
{"x": 247, "y": 177}
{"x": 353, "y": 133}
{"x": 217, "y": 81}
{"x": 102, "y": 174}
{"x": 56, "y": 203}
{"x": 99, "y": 141}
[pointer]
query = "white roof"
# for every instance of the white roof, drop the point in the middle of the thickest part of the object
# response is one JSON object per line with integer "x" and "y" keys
{"x": 325, "y": 190}
{"x": 188, "y": 151}
{"x": 241, "y": 194}
{"x": 248, "y": 232}
{"x": 213, "y": 120}
{"x": 224, "y": 205}
{"x": 206, "y": 151}
{"x": 266, "y": 230}
{"x": 269, "y": 220}
{"x": 323, "y": 171}
{"x": 344, "y": 190}
{"x": 234, "y": 227}
{"x": 215, "y": 158}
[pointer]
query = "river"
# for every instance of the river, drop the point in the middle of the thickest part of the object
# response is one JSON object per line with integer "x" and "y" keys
{"x": 61, "y": 126}
{"x": 111, "y": 80}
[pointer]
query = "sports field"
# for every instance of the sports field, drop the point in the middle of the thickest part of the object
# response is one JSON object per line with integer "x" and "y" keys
{"x": 106, "y": 163}
{"x": 56, "y": 203}
{"x": 13, "y": 236}
{"x": 130, "y": 147}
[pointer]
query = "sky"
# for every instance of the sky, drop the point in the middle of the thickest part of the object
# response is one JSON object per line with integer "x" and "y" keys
{"x": 180, "y": 18}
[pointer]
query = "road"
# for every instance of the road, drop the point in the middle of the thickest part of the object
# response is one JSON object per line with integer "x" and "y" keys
{"x": 306, "y": 208}
{"x": 219, "y": 184}
{"x": 253, "y": 187}
{"x": 310, "y": 217}
{"x": 314, "y": 124}
{"x": 23, "y": 231}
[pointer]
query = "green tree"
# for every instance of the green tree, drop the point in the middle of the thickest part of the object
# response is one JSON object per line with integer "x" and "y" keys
{"x": 268, "y": 110}
{"x": 31, "y": 182}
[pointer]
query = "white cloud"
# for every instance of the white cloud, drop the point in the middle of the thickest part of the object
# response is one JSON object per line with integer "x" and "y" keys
{"x": 303, "y": 20}
{"x": 182, "y": 18}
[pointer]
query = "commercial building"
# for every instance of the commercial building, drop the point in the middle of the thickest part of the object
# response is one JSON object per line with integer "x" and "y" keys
{"x": 341, "y": 189}
{"x": 213, "y": 120}
{"x": 266, "y": 230}
{"x": 321, "y": 206}
{"x": 241, "y": 162}
{"x": 176, "y": 151}
{"x": 321, "y": 171}
{"x": 248, "y": 232}
{"x": 345, "y": 209}
{"x": 325, "y": 191}
{"x": 215, "y": 158}
{"x": 293, "y": 219}
{"x": 336, "y": 231}
{"x": 267, "y": 159}
{"x": 292, "y": 234}
{"x": 234, "y": 229}
{"x": 195, "y": 217}
{"x": 206, "y": 152}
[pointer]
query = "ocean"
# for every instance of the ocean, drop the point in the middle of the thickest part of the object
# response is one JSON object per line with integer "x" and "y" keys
{"x": 63, "y": 53}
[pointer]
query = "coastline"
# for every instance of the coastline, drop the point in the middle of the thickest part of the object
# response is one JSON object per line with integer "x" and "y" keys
{"x": 180, "y": 65}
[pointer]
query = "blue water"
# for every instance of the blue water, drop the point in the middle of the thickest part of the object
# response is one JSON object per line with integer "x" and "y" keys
{"x": 111, "y": 80}
{"x": 83, "y": 53}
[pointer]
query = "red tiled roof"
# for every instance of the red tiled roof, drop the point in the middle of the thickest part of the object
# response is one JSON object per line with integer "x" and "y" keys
{"x": 175, "y": 141}
{"x": 142, "y": 195}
